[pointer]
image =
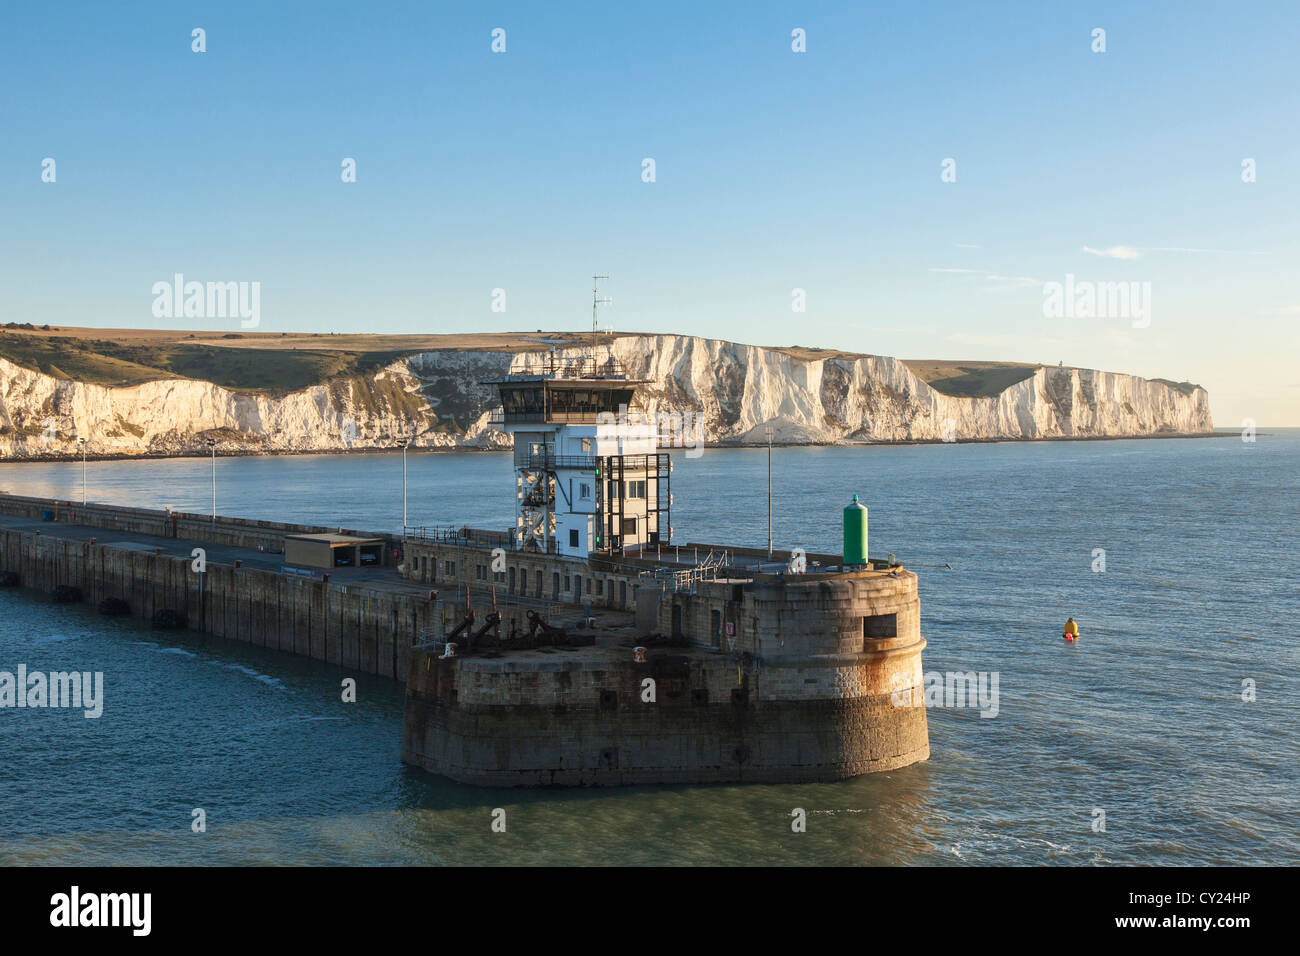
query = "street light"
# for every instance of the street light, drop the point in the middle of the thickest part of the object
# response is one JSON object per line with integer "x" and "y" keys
{"x": 402, "y": 443}
{"x": 213, "y": 445}
{"x": 82, "y": 443}
{"x": 768, "y": 431}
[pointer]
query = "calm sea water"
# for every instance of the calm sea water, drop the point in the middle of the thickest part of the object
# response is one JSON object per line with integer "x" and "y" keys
{"x": 1143, "y": 719}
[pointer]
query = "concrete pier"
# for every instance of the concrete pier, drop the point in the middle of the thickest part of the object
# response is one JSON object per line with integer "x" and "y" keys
{"x": 364, "y": 619}
{"x": 760, "y": 676}
{"x": 774, "y": 680}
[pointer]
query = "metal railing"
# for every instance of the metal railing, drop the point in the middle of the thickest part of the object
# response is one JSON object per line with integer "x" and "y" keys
{"x": 560, "y": 366}
{"x": 548, "y": 462}
{"x": 689, "y": 579}
{"x": 472, "y": 537}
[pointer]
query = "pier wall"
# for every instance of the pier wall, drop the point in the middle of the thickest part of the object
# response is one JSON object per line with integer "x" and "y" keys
{"x": 545, "y": 578}
{"x": 820, "y": 680}
{"x": 235, "y": 532}
{"x": 363, "y": 627}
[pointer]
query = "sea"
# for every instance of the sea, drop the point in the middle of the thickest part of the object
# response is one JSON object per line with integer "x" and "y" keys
{"x": 1165, "y": 735}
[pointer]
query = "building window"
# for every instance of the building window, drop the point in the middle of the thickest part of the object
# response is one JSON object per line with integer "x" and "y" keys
{"x": 512, "y": 580}
{"x": 555, "y": 583}
{"x": 568, "y": 585}
{"x": 600, "y": 587}
{"x": 586, "y": 446}
{"x": 629, "y": 526}
{"x": 539, "y": 583}
{"x": 584, "y": 490}
{"x": 879, "y": 626}
{"x": 634, "y": 489}
{"x": 573, "y": 537}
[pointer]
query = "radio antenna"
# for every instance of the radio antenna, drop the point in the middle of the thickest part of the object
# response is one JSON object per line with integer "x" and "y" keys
{"x": 596, "y": 300}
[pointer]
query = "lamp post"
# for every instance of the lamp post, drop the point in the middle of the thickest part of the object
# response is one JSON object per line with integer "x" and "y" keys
{"x": 212, "y": 444}
{"x": 82, "y": 443}
{"x": 768, "y": 431}
{"x": 402, "y": 443}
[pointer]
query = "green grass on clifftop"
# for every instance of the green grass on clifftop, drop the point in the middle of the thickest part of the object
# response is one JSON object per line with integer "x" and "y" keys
{"x": 117, "y": 364}
{"x": 970, "y": 379}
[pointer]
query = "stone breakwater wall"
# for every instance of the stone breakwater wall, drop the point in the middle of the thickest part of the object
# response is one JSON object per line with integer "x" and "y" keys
{"x": 801, "y": 686}
{"x": 235, "y": 532}
{"x": 364, "y": 627}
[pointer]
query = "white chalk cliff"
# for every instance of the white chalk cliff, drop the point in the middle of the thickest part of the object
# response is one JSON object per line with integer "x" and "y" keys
{"x": 438, "y": 394}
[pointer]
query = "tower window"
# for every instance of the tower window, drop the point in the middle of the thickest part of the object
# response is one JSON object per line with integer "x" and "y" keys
{"x": 880, "y": 626}
{"x": 573, "y": 537}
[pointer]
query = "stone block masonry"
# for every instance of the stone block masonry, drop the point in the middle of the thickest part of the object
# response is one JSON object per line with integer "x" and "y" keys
{"x": 355, "y": 620}
{"x": 801, "y": 686}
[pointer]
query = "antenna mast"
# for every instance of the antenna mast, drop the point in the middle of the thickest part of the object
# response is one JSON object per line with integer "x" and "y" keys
{"x": 596, "y": 300}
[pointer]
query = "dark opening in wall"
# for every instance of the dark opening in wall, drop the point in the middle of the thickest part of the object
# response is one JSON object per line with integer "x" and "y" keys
{"x": 609, "y": 700}
{"x": 878, "y": 626}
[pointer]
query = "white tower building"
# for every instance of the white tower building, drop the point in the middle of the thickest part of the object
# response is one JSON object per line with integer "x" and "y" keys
{"x": 589, "y": 477}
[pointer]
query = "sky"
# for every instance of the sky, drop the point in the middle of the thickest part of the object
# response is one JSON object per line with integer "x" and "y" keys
{"x": 822, "y": 171}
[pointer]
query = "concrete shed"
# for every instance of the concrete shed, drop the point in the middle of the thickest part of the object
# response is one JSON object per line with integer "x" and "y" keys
{"x": 330, "y": 551}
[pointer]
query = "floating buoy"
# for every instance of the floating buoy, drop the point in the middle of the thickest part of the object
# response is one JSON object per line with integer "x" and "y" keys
{"x": 1071, "y": 630}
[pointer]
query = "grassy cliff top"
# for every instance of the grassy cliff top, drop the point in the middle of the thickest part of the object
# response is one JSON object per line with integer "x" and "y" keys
{"x": 281, "y": 362}
{"x": 970, "y": 379}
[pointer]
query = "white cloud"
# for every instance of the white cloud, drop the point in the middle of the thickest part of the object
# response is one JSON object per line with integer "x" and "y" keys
{"x": 1217, "y": 252}
{"x": 1018, "y": 280}
{"x": 991, "y": 276}
{"x": 1114, "y": 252}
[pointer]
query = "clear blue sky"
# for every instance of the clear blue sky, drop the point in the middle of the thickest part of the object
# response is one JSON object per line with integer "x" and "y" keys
{"x": 775, "y": 171}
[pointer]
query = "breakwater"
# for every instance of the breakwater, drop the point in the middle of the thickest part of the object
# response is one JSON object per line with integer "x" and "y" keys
{"x": 142, "y": 562}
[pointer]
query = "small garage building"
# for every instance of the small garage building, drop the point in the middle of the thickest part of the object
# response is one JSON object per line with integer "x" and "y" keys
{"x": 330, "y": 551}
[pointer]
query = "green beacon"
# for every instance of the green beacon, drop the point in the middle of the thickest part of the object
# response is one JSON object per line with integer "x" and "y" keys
{"x": 855, "y": 533}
